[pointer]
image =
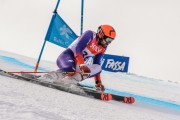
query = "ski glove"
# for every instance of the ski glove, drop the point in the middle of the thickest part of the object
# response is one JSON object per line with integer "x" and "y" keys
{"x": 100, "y": 87}
{"x": 85, "y": 71}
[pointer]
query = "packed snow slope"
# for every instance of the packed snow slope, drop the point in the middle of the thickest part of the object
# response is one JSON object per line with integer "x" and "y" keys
{"x": 21, "y": 100}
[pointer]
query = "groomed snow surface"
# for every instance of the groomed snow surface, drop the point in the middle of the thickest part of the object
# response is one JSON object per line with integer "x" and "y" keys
{"x": 21, "y": 100}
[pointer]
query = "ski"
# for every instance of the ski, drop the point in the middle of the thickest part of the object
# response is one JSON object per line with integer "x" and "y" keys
{"x": 125, "y": 99}
{"x": 81, "y": 91}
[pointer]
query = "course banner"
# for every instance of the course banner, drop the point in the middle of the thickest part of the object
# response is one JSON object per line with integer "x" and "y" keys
{"x": 114, "y": 63}
{"x": 59, "y": 32}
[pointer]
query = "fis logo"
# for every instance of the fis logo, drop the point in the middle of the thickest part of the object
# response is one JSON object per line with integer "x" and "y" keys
{"x": 114, "y": 65}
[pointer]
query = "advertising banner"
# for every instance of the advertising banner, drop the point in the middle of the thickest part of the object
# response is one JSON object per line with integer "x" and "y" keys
{"x": 114, "y": 63}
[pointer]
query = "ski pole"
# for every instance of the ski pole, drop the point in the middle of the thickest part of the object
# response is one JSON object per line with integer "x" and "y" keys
{"x": 28, "y": 72}
{"x": 43, "y": 72}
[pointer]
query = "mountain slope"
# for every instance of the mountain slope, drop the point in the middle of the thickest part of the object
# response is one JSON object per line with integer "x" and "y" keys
{"x": 23, "y": 100}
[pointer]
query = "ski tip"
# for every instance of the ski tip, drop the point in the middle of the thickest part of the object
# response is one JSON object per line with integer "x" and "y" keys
{"x": 129, "y": 100}
{"x": 106, "y": 96}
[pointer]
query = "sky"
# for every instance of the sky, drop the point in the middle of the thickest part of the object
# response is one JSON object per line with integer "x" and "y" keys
{"x": 147, "y": 30}
{"x": 154, "y": 99}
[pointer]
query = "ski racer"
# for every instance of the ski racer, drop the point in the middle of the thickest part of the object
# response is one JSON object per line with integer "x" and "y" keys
{"x": 82, "y": 59}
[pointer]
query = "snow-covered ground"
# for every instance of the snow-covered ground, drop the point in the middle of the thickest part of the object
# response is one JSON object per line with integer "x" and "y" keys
{"x": 21, "y": 100}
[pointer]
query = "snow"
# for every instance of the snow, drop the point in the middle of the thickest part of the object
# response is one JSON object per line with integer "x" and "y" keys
{"x": 21, "y": 100}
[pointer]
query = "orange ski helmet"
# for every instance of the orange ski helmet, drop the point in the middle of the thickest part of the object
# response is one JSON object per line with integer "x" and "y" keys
{"x": 106, "y": 32}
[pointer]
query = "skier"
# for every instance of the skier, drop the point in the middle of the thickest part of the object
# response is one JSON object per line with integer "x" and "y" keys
{"x": 82, "y": 59}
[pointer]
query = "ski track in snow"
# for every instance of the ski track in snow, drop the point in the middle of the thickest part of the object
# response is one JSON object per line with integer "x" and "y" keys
{"x": 21, "y": 100}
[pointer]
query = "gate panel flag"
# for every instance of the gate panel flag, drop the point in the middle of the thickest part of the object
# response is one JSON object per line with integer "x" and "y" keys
{"x": 59, "y": 32}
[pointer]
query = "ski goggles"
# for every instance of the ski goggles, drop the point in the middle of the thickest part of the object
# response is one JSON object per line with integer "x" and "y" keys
{"x": 108, "y": 40}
